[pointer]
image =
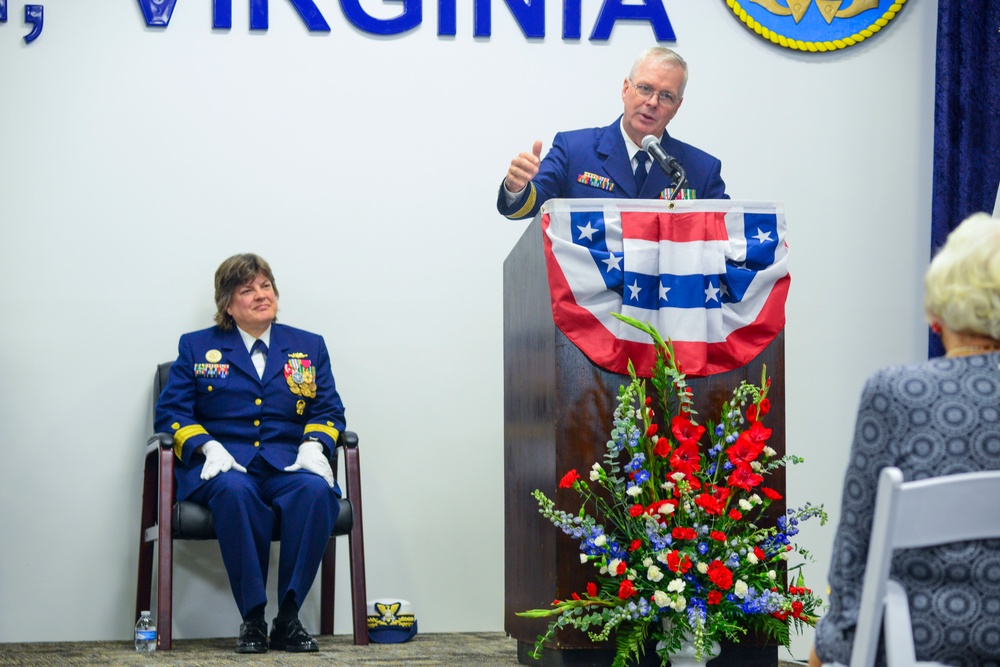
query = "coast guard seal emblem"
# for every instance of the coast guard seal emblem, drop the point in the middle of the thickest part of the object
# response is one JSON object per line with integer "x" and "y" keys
{"x": 815, "y": 25}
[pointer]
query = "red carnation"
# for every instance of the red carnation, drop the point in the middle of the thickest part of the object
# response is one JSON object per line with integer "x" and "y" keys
{"x": 759, "y": 553}
{"x": 635, "y": 510}
{"x": 770, "y": 493}
{"x": 744, "y": 477}
{"x": 714, "y": 597}
{"x": 635, "y": 545}
{"x": 567, "y": 481}
{"x": 708, "y": 503}
{"x": 649, "y": 400}
{"x": 621, "y": 568}
{"x": 626, "y": 589}
{"x": 677, "y": 564}
{"x": 780, "y": 615}
{"x": 718, "y": 536}
{"x": 651, "y": 431}
{"x": 682, "y": 533}
{"x": 591, "y": 589}
{"x": 735, "y": 514}
{"x": 720, "y": 575}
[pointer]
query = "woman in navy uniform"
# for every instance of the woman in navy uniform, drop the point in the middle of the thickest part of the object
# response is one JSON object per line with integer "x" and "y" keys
{"x": 255, "y": 414}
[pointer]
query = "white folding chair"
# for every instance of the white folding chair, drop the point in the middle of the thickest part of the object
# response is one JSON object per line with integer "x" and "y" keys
{"x": 910, "y": 515}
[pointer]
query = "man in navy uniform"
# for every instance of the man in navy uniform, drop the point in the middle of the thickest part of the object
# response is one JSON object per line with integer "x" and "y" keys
{"x": 255, "y": 415}
{"x": 609, "y": 161}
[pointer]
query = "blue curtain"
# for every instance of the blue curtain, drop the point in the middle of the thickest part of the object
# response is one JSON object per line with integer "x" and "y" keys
{"x": 966, "y": 116}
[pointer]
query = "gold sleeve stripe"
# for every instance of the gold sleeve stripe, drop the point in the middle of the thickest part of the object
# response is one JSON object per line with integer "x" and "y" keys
{"x": 332, "y": 432}
{"x": 528, "y": 204}
{"x": 181, "y": 436}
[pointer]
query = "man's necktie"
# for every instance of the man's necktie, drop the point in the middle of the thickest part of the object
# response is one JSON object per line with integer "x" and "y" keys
{"x": 640, "y": 170}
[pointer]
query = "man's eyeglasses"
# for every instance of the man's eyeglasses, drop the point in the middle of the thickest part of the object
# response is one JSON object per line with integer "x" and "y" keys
{"x": 645, "y": 92}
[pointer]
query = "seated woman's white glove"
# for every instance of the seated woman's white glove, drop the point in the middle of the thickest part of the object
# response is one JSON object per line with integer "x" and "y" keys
{"x": 312, "y": 458}
{"x": 217, "y": 460}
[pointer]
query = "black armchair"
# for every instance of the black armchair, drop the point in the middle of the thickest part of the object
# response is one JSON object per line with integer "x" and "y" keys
{"x": 165, "y": 520}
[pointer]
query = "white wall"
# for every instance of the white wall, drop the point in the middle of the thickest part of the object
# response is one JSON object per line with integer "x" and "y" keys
{"x": 132, "y": 161}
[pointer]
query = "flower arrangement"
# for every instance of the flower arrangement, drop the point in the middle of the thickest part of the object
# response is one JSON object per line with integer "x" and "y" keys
{"x": 677, "y": 531}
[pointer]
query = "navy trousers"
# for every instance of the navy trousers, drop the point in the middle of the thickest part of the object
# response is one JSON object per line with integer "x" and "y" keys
{"x": 245, "y": 507}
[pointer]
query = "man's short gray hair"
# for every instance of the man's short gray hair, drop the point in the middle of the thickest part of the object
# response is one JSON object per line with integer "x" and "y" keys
{"x": 664, "y": 57}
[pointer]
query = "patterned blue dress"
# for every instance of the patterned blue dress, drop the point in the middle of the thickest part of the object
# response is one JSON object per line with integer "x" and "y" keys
{"x": 930, "y": 419}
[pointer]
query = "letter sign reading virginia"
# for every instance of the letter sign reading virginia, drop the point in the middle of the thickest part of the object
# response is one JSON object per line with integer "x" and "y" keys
{"x": 529, "y": 14}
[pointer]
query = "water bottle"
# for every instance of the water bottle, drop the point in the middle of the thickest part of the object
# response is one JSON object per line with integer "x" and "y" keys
{"x": 145, "y": 633}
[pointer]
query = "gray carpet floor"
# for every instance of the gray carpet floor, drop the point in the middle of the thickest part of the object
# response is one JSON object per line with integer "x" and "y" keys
{"x": 467, "y": 649}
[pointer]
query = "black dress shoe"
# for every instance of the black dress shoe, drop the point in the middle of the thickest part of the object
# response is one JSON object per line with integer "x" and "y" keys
{"x": 253, "y": 637}
{"x": 292, "y": 637}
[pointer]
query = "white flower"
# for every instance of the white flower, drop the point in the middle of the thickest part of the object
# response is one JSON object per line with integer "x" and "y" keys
{"x": 676, "y": 586}
{"x": 647, "y": 561}
{"x": 662, "y": 557}
{"x": 752, "y": 558}
{"x": 654, "y": 439}
{"x": 769, "y": 452}
{"x": 678, "y": 476}
{"x": 661, "y": 599}
{"x": 755, "y": 499}
{"x": 703, "y": 568}
{"x": 745, "y": 505}
{"x": 740, "y": 588}
{"x": 600, "y": 540}
{"x": 666, "y": 508}
{"x": 595, "y": 472}
{"x": 771, "y": 574}
{"x": 756, "y": 466}
{"x": 633, "y": 490}
{"x": 667, "y": 486}
{"x": 783, "y": 555}
{"x": 613, "y": 566}
{"x": 583, "y": 559}
{"x": 679, "y": 604}
{"x": 654, "y": 574}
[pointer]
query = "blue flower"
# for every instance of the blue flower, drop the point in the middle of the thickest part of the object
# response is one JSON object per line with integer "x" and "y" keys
{"x": 702, "y": 548}
{"x": 641, "y": 476}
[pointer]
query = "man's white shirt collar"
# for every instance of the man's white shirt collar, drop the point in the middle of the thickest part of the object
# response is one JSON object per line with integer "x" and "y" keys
{"x": 630, "y": 145}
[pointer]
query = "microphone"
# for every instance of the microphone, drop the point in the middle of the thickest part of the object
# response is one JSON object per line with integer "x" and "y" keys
{"x": 669, "y": 164}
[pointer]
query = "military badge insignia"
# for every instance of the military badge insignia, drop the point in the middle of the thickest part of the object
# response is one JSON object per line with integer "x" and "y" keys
{"x": 213, "y": 356}
{"x": 815, "y": 25}
{"x": 298, "y": 355}
{"x": 300, "y": 407}
{"x": 391, "y": 621}
{"x": 301, "y": 377}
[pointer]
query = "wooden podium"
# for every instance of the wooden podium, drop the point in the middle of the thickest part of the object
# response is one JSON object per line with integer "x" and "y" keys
{"x": 558, "y": 409}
